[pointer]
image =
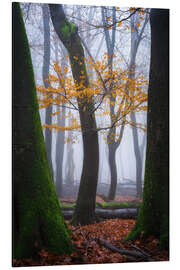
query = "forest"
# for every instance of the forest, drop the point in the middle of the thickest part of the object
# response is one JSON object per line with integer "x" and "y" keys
{"x": 90, "y": 103}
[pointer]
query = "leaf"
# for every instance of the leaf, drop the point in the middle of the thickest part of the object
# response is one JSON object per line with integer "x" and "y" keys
{"x": 138, "y": 24}
{"x": 119, "y": 24}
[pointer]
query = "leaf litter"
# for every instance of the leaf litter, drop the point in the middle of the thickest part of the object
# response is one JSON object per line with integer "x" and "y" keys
{"x": 90, "y": 246}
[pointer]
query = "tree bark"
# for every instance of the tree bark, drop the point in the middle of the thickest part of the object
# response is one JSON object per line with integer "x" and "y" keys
{"x": 59, "y": 156}
{"x": 67, "y": 32}
{"x": 153, "y": 218}
{"x": 136, "y": 38}
{"x": 113, "y": 170}
{"x": 37, "y": 218}
{"x": 60, "y": 137}
{"x": 112, "y": 144}
{"x": 46, "y": 63}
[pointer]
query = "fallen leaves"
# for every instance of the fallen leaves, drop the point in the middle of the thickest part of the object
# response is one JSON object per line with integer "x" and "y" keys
{"x": 89, "y": 250}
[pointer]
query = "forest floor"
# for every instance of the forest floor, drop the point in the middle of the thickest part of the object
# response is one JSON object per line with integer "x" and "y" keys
{"x": 102, "y": 242}
{"x": 99, "y": 199}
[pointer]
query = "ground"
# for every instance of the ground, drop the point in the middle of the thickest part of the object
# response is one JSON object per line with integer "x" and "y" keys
{"x": 90, "y": 249}
{"x": 118, "y": 198}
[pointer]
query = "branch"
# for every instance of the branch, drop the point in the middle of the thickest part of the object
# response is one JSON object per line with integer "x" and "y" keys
{"x": 123, "y": 251}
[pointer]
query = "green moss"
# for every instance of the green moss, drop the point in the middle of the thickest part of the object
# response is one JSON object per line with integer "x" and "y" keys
{"x": 106, "y": 205}
{"x": 37, "y": 219}
{"x": 67, "y": 29}
{"x": 119, "y": 204}
{"x": 68, "y": 206}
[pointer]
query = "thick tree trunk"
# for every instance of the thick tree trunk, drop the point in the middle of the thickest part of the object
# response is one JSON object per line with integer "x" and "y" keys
{"x": 153, "y": 218}
{"x": 37, "y": 219}
{"x": 46, "y": 63}
{"x": 67, "y": 32}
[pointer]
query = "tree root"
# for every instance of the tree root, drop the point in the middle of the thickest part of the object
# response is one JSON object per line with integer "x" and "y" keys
{"x": 131, "y": 253}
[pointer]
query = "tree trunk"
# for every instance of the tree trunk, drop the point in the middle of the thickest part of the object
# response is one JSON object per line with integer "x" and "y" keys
{"x": 59, "y": 156}
{"x": 70, "y": 161}
{"x": 112, "y": 145}
{"x": 37, "y": 219}
{"x": 67, "y": 32}
{"x": 60, "y": 138}
{"x": 137, "y": 152}
{"x": 136, "y": 38}
{"x": 46, "y": 63}
{"x": 113, "y": 170}
{"x": 153, "y": 218}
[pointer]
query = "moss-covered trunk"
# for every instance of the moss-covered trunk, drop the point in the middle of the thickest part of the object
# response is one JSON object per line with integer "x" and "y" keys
{"x": 153, "y": 218}
{"x": 37, "y": 219}
{"x": 67, "y": 32}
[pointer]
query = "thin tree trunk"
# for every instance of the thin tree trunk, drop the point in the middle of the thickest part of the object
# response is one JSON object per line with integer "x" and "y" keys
{"x": 112, "y": 145}
{"x": 113, "y": 171}
{"x": 60, "y": 139}
{"x": 135, "y": 41}
{"x": 59, "y": 156}
{"x": 46, "y": 64}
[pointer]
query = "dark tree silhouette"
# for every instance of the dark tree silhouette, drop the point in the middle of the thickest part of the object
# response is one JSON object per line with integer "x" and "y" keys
{"x": 153, "y": 218}
{"x": 37, "y": 219}
{"x": 86, "y": 201}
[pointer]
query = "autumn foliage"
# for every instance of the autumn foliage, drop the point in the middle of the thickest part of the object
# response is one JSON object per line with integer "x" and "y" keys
{"x": 106, "y": 88}
{"x": 90, "y": 249}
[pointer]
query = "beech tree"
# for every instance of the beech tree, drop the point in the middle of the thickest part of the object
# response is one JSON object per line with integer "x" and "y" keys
{"x": 37, "y": 219}
{"x": 153, "y": 218}
{"x": 86, "y": 201}
{"x": 106, "y": 91}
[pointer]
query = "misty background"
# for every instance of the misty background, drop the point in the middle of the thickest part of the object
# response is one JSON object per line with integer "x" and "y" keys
{"x": 87, "y": 18}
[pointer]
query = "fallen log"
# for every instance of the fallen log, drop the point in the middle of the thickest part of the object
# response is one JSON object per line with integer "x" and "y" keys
{"x": 125, "y": 213}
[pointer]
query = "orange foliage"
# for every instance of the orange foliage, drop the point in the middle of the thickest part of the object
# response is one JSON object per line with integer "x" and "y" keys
{"x": 110, "y": 88}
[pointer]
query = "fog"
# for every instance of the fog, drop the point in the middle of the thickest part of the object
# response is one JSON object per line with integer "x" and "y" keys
{"x": 86, "y": 17}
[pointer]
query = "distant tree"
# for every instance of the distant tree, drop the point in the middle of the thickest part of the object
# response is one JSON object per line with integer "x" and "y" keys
{"x": 45, "y": 73}
{"x": 86, "y": 201}
{"x": 37, "y": 218}
{"x": 136, "y": 38}
{"x": 70, "y": 166}
{"x": 113, "y": 144}
{"x": 60, "y": 134}
{"x": 153, "y": 218}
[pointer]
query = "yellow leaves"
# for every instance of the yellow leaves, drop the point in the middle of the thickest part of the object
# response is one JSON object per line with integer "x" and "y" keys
{"x": 119, "y": 24}
{"x": 142, "y": 11}
{"x": 138, "y": 24}
{"x": 108, "y": 18}
{"x": 121, "y": 96}
{"x": 56, "y": 127}
{"x": 108, "y": 26}
{"x": 132, "y": 9}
